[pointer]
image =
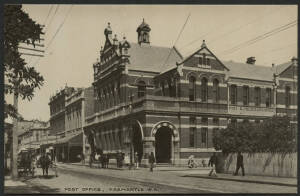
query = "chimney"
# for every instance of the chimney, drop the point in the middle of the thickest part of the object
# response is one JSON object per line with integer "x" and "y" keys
{"x": 273, "y": 65}
{"x": 251, "y": 60}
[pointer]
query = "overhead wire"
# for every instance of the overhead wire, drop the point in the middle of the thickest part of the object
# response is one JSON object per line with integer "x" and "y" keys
{"x": 51, "y": 19}
{"x": 57, "y": 31}
{"x": 44, "y": 23}
{"x": 177, "y": 39}
{"x": 244, "y": 25}
{"x": 231, "y": 31}
{"x": 260, "y": 37}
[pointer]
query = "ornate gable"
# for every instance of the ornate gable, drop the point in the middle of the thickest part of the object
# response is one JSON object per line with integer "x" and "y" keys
{"x": 205, "y": 59}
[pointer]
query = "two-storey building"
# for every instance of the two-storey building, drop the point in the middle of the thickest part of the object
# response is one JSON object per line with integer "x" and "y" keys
{"x": 151, "y": 99}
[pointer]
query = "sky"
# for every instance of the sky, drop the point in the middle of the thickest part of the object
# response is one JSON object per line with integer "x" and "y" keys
{"x": 75, "y": 33}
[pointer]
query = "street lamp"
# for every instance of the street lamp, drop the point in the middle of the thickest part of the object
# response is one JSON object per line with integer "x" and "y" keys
{"x": 131, "y": 130}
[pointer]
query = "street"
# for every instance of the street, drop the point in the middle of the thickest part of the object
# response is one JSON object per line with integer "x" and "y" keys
{"x": 81, "y": 179}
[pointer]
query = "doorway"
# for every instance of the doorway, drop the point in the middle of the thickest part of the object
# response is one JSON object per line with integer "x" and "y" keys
{"x": 163, "y": 141}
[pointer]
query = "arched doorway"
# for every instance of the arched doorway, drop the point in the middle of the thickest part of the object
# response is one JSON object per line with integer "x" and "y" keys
{"x": 137, "y": 140}
{"x": 163, "y": 142}
{"x": 166, "y": 142}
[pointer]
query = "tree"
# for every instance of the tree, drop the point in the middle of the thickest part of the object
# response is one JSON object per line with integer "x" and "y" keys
{"x": 20, "y": 79}
{"x": 274, "y": 135}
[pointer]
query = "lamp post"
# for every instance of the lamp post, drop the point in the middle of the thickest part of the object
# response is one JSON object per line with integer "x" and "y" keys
{"x": 131, "y": 130}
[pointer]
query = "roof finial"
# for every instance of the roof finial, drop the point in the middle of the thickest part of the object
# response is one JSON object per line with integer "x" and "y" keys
{"x": 203, "y": 44}
{"x": 143, "y": 20}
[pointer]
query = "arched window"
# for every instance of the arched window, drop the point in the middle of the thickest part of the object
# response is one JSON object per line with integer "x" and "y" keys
{"x": 204, "y": 89}
{"x": 268, "y": 97}
{"x": 287, "y": 96}
{"x": 163, "y": 88}
{"x": 192, "y": 85}
{"x": 171, "y": 89}
{"x": 245, "y": 95}
{"x": 257, "y": 96}
{"x": 200, "y": 61}
{"x": 105, "y": 100}
{"x": 216, "y": 90}
{"x": 141, "y": 89}
{"x": 233, "y": 94}
{"x": 113, "y": 95}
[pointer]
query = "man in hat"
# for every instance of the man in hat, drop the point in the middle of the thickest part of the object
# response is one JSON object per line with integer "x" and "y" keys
{"x": 136, "y": 160}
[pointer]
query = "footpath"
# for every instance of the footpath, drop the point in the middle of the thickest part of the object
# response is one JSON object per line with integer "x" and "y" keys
{"x": 203, "y": 173}
{"x": 194, "y": 179}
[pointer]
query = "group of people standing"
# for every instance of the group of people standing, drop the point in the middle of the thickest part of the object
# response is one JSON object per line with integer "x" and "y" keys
{"x": 121, "y": 160}
{"x": 99, "y": 158}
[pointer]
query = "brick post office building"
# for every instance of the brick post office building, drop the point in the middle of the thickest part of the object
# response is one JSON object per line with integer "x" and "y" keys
{"x": 151, "y": 99}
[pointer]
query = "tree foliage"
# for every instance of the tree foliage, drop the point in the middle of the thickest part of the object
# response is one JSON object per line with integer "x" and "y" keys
{"x": 273, "y": 135}
{"x": 20, "y": 78}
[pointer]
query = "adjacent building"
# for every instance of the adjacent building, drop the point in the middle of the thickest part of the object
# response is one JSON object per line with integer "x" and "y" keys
{"x": 29, "y": 140}
{"x": 68, "y": 109}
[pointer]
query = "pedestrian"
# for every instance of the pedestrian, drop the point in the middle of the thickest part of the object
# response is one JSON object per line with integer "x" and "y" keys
{"x": 102, "y": 159}
{"x": 191, "y": 162}
{"x": 136, "y": 160}
{"x": 91, "y": 160}
{"x": 107, "y": 160}
{"x": 45, "y": 161}
{"x": 122, "y": 159}
{"x": 239, "y": 164}
{"x": 97, "y": 159}
{"x": 151, "y": 161}
{"x": 213, "y": 162}
{"x": 33, "y": 164}
{"x": 82, "y": 158}
{"x": 127, "y": 160}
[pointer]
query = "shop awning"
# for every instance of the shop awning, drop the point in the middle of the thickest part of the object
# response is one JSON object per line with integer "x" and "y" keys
{"x": 72, "y": 140}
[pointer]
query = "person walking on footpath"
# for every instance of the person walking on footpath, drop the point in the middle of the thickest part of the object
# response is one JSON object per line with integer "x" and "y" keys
{"x": 127, "y": 160}
{"x": 45, "y": 162}
{"x": 239, "y": 164}
{"x": 151, "y": 161}
{"x": 136, "y": 160}
{"x": 213, "y": 162}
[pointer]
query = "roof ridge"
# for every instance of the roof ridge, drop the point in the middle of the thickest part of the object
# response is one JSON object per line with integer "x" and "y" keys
{"x": 152, "y": 45}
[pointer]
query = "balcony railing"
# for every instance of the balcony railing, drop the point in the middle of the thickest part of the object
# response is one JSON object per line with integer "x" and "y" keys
{"x": 155, "y": 103}
{"x": 251, "y": 110}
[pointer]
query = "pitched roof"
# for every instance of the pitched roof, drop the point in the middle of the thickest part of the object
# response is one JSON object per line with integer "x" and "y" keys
{"x": 151, "y": 58}
{"x": 280, "y": 68}
{"x": 248, "y": 71}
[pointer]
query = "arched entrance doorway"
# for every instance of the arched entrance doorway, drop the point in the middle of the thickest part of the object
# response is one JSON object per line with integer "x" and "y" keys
{"x": 163, "y": 139}
{"x": 166, "y": 142}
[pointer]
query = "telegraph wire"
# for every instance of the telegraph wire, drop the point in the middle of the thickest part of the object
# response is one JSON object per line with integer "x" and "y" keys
{"x": 243, "y": 26}
{"x": 56, "y": 9}
{"x": 60, "y": 26}
{"x": 30, "y": 60}
{"x": 232, "y": 31}
{"x": 58, "y": 29}
{"x": 51, "y": 8}
{"x": 261, "y": 37}
{"x": 177, "y": 39}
